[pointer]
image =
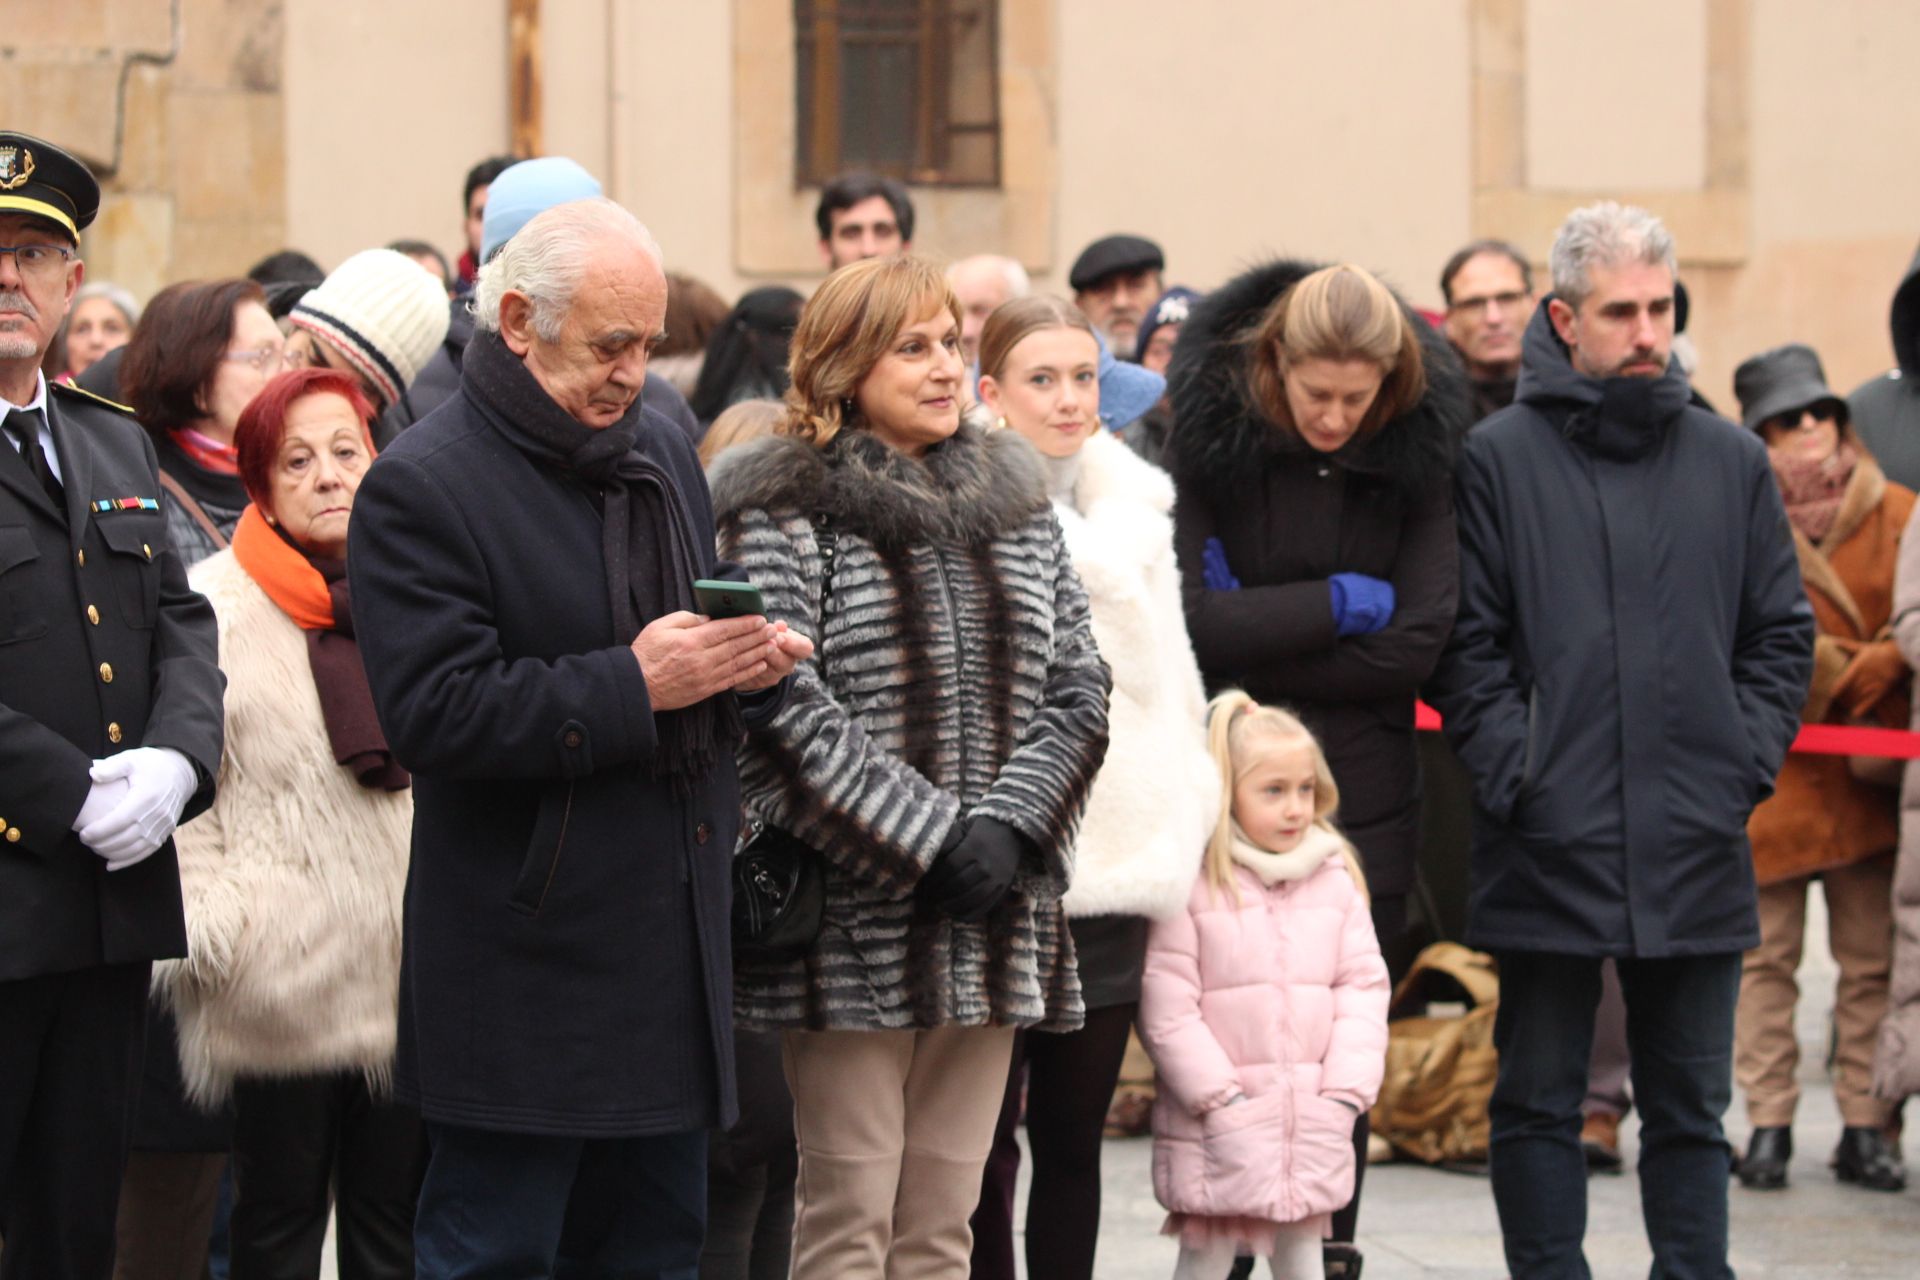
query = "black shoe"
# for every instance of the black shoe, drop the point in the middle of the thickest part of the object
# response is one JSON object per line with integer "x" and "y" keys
{"x": 1764, "y": 1167}
{"x": 1342, "y": 1261}
{"x": 1865, "y": 1158}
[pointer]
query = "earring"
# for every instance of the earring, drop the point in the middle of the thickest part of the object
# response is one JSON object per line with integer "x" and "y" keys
{"x": 1001, "y": 422}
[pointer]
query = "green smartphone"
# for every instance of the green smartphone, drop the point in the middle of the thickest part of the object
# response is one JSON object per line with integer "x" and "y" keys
{"x": 717, "y": 599}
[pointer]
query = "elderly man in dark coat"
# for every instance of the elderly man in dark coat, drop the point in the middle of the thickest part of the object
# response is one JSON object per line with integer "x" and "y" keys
{"x": 522, "y": 572}
{"x": 110, "y": 734}
{"x": 1622, "y": 684}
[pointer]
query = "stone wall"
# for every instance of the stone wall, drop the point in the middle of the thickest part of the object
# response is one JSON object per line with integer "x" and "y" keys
{"x": 177, "y": 107}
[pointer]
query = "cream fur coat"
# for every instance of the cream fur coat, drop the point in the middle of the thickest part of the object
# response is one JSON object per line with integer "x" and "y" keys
{"x": 293, "y": 880}
{"x": 1157, "y": 797}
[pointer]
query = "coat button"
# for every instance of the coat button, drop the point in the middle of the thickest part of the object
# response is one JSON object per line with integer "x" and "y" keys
{"x": 106, "y": 673}
{"x": 149, "y": 550}
{"x": 81, "y": 556}
{"x": 13, "y": 835}
{"x": 113, "y": 732}
{"x": 573, "y": 738}
{"x": 702, "y": 833}
{"x": 93, "y": 615}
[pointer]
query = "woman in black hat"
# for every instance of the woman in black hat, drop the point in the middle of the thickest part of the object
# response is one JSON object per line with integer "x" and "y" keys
{"x": 1829, "y": 816}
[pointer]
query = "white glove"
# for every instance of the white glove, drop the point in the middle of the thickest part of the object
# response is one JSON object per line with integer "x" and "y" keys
{"x": 159, "y": 783}
{"x": 102, "y": 799}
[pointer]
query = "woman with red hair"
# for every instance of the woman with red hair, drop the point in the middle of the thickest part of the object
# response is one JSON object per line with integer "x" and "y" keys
{"x": 293, "y": 880}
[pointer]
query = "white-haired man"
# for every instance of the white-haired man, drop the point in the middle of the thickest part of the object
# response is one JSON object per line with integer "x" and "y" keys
{"x": 1622, "y": 684}
{"x": 983, "y": 284}
{"x": 523, "y": 563}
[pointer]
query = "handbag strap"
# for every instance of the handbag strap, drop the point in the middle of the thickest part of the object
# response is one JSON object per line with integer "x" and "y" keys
{"x": 828, "y": 539}
{"x": 194, "y": 510}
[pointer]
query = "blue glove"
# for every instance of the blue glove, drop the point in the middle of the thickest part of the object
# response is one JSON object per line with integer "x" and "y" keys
{"x": 1361, "y": 605}
{"x": 1213, "y": 568}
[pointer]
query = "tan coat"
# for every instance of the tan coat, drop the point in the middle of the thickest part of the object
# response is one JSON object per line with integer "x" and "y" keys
{"x": 293, "y": 880}
{"x": 1820, "y": 814}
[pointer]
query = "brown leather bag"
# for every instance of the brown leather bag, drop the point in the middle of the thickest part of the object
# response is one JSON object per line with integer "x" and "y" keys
{"x": 1440, "y": 1057}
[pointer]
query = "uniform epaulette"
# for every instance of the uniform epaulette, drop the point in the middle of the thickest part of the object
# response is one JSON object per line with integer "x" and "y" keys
{"x": 67, "y": 388}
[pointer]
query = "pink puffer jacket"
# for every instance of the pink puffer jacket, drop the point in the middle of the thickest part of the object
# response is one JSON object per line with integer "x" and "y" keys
{"x": 1283, "y": 997}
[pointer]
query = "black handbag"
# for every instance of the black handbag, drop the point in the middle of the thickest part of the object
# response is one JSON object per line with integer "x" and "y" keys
{"x": 779, "y": 880}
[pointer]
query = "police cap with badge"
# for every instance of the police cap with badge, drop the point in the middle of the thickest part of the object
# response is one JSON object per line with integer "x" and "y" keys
{"x": 39, "y": 178}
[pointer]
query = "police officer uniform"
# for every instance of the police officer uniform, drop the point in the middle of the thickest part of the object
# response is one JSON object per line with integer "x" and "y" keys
{"x": 103, "y": 648}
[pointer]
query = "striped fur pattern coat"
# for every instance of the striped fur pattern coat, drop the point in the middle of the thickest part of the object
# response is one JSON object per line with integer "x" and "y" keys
{"x": 961, "y": 680}
{"x": 292, "y": 881}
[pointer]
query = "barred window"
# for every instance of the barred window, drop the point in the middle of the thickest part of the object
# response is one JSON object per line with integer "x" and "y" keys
{"x": 904, "y": 88}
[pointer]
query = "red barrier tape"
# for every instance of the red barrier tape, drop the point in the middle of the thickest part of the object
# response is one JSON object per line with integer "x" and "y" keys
{"x": 1814, "y": 739}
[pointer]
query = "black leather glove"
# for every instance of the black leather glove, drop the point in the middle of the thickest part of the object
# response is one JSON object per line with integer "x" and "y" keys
{"x": 973, "y": 873}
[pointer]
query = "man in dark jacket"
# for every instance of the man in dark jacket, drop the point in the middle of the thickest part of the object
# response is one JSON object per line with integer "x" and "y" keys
{"x": 110, "y": 734}
{"x": 1488, "y": 287}
{"x": 1886, "y": 410}
{"x": 1622, "y": 684}
{"x": 523, "y": 568}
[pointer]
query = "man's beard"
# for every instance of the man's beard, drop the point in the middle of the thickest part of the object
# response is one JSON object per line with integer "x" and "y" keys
{"x": 1122, "y": 345}
{"x": 18, "y": 346}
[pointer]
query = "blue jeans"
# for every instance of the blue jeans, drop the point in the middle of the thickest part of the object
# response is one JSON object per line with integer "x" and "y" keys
{"x": 1680, "y": 1036}
{"x": 513, "y": 1206}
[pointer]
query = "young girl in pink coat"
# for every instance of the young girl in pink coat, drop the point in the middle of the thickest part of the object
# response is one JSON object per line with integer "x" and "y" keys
{"x": 1265, "y": 1010}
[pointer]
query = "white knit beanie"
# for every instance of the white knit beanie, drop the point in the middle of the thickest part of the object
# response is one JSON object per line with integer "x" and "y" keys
{"x": 381, "y": 310}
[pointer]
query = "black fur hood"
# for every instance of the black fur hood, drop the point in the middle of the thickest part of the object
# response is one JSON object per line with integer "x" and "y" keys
{"x": 968, "y": 489}
{"x": 1219, "y": 436}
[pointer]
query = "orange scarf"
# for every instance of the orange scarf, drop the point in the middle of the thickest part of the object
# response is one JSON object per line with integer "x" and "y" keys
{"x": 287, "y": 577}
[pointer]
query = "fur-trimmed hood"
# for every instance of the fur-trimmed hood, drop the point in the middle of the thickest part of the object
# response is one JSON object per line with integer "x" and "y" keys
{"x": 1219, "y": 434}
{"x": 967, "y": 489}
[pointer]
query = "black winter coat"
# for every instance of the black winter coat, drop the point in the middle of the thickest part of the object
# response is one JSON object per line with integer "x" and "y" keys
{"x": 1289, "y": 518}
{"x": 103, "y": 647}
{"x": 1627, "y": 671}
{"x": 566, "y": 965}
{"x": 1886, "y": 409}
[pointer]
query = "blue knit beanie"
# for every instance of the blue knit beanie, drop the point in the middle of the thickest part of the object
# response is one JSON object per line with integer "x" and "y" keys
{"x": 525, "y": 190}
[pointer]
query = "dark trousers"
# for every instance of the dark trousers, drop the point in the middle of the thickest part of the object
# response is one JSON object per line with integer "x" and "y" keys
{"x": 302, "y": 1145}
{"x": 1069, "y": 1083}
{"x": 70, "y": 1046}
{"x": 167, "y": 1202}
{"x": 751, "y": 1170}
{"x": 509, "y": 1206}
{"x": 1680, "y": 1036}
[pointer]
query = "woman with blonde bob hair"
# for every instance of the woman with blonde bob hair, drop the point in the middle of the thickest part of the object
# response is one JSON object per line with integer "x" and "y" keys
{"x": 1315, "y": 422}
{"x": 937, "y": 753}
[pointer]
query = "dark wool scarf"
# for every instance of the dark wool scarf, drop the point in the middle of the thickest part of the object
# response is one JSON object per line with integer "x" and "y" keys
{"x": 647, "y": 534}
{"x": 346, "y": 702}
{"x": 1812, "y": 490}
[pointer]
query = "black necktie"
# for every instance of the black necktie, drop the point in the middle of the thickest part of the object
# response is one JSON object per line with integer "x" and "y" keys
{"x": 24, "y": 426}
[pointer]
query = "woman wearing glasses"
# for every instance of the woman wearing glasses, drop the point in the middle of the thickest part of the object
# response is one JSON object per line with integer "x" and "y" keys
{"x": 377, "y": 318}
{"x": 199, "y": 353}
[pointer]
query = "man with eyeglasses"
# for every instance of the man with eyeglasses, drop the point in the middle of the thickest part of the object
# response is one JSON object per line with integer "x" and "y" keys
{"x": 1488, "y": 286}
{"x": 110, "y": 735}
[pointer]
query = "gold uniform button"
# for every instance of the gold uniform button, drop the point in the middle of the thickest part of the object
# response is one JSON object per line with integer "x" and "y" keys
{"x": 106, "y": 673}
{"x": 81, "y": 556}
{"x": 93, "y": 615}
{"x": 149, "y": 550}
{"x": 113, "y": 732}
{"x": 13, "y": 835}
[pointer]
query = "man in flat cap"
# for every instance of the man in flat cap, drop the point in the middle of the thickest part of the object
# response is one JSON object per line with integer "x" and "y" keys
{"x": 1114, "y": 281}
{"x": 110, "y": 734}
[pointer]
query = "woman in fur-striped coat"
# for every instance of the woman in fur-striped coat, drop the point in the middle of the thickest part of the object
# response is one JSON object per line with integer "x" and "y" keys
{"x": 938, "y": 752}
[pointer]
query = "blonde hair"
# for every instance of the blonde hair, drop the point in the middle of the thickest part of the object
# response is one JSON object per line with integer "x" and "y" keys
{"x": 1337, "y": 313}
{"x": 843, "y": 331}
{"x": 1011, "y": 322}
{"x": 1237, "y": 730}
{"x": 738, "y": 423}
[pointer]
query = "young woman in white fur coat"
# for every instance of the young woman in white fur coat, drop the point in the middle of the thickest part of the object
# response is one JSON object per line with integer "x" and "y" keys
{"x": 1152, "y": 804}
{"x": 293, "y": 880}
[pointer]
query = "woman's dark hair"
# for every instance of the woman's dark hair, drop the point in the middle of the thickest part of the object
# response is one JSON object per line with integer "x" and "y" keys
{"x": 289, "y": 266}
{"x": 694, "y": 311}
{"x": 177, "y": 348}
{"x": 747, "y": 355}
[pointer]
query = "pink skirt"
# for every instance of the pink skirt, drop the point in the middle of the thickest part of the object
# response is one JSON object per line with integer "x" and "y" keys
{"x": 1252, "y": 1236}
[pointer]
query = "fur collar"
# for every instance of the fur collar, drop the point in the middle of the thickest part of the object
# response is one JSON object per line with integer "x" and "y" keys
{"x": 968, "y": 489}
{"x": 1220, "y": 437}
{"x": 1121, "y": 508}
{"x": 1864, "y": 492}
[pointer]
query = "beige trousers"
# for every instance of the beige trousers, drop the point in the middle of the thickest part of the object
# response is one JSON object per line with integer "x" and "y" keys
{"x": 1766, "y": 1053}
{"x": 894, "y": 1128}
